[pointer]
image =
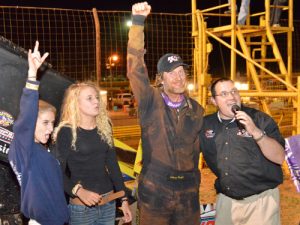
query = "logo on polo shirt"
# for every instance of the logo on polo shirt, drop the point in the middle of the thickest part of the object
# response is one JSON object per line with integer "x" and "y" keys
{"x": 209, "y": 133}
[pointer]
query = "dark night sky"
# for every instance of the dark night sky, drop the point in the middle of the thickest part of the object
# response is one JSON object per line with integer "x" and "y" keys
{"x": 171, "y": 6}
{"x": 175, "y": 6}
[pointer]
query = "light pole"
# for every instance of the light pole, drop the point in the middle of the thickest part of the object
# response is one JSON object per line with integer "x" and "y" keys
{"x": 112, "y": 61}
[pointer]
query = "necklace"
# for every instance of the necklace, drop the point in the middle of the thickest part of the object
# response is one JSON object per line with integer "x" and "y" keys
{"x": 171, "y": 104}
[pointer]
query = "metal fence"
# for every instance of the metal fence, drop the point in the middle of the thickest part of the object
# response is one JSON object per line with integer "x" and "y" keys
{"x": 70, "y": 38}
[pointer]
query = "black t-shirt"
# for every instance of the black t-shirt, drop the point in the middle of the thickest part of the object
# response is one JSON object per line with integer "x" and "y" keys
{"x": 93, "y": 163}
{"x": 236, "y": 159}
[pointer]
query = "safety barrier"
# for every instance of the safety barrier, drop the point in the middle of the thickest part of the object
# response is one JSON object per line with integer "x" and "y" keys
{"x": 124, "y": 132}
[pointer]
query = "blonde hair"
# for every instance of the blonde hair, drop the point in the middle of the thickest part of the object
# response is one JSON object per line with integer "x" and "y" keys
{"x": 46, "y": 107}
{"x": 70, "y": 114}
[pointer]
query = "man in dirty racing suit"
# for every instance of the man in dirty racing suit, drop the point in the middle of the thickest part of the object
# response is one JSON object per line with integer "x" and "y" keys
{"x": 168, "y": 188}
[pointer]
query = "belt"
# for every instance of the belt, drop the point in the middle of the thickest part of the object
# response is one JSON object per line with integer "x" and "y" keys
{"x": 105, "y": 198}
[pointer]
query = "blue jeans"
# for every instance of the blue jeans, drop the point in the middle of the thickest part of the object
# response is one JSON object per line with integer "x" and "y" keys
{"x": 97, "y": 215}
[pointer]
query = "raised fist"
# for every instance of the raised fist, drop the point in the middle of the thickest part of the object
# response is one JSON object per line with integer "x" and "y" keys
{"x": 142, "y": 8}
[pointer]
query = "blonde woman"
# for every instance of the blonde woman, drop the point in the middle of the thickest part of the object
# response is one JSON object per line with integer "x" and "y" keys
{"x": 85, "y": 149}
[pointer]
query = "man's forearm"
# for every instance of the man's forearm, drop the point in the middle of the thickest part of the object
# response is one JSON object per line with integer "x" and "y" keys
{"x": 136, "y": 33}
{"x": 272, "y": 150}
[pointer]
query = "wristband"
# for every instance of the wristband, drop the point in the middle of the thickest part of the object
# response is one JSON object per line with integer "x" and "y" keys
{"x": 76, "y": 188}
{"x": 32, "y": 86}
{"x": 263, "y": 133}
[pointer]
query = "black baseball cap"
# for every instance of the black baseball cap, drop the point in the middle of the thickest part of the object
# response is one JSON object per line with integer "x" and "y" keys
{"x": 169, "y": 62}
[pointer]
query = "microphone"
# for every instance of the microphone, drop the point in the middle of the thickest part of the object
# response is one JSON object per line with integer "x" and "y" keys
{"x": 234, "y": 109}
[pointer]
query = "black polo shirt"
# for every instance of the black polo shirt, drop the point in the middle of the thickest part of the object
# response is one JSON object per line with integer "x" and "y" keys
{"x": 236, "y": 159}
